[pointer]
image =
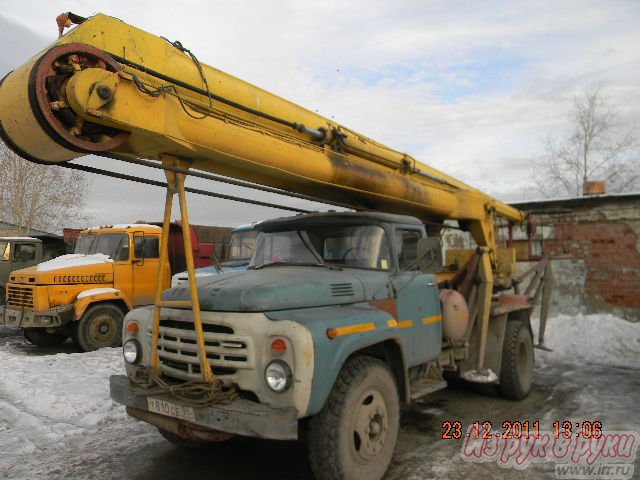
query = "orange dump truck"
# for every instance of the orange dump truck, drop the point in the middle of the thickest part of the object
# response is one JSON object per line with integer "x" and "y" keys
{"x": 85, "y": 295}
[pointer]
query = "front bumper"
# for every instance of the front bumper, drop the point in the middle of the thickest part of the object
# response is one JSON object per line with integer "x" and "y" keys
{"x": 241, "y": 417}
{"x": 53, "y": 318}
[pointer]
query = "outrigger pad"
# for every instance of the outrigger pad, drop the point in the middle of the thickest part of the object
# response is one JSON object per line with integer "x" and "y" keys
{"x": 480, "y": 376}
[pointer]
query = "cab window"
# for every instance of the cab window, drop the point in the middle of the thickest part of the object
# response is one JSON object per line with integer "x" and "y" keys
{"x": 146, "y": 247}
{"x": 5, "y": 251}
{"x": 407, "y": 249}
{"x": 24, "y": 252}
{"x": 351, "y": 246}
{"x": 114, "y": 245}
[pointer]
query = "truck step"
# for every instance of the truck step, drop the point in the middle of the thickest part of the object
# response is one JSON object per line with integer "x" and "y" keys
{"x": 425, "y": 386}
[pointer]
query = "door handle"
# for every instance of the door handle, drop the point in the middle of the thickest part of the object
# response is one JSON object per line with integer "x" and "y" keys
{"x": 431, "y": 284}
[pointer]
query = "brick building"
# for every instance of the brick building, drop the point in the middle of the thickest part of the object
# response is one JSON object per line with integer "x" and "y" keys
{"x": 595, "y": 244}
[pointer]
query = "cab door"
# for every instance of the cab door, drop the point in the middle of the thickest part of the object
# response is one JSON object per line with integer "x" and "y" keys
{"x": 146, "y": 263}
{"x": 122, "y": 267}
{"x": 417, "y": 300}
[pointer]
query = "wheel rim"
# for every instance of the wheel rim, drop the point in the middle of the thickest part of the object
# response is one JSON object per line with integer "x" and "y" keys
{"x": 370, "y": 426}
{"x": 103, "y": 328}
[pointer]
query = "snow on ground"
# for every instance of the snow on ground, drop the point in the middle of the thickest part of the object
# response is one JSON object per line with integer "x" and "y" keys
{"x": 57, "y": 419}
{"x": 55, "y": 404}
{"x": 593, "y": 339}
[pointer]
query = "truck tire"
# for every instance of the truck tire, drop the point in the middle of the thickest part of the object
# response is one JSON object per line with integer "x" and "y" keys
{"x": 516, "y": 371}
{"x": 3, "y": 296}
{"x": 354, "y": 435}
{"x": 99, "y": 327}
{"x": 42, "y": 338}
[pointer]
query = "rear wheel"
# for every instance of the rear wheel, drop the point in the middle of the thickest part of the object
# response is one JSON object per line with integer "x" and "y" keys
{"x": 516, "y": 372}
{"x": 42, "y": 338}
{"x": 99, "y": 327}
{"x": 354, "y": 436}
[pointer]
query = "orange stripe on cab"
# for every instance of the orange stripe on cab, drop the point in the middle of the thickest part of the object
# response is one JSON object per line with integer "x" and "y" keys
{"x": 404, "y": 324}
{"x": 350, "y": 329}
{"x": 430, "y": 320}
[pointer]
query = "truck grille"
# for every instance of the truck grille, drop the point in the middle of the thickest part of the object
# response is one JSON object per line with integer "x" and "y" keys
{"x": 20, "y": 296}
{"x": 178, "y": 350}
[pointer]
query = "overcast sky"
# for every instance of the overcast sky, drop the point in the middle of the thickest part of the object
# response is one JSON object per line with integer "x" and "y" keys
{"x": 470, "y": 88}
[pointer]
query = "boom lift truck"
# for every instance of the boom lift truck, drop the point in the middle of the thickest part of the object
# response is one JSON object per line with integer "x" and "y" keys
{"x": 341, "y": 316}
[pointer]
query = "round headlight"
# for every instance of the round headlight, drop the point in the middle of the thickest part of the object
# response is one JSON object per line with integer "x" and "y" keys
{"x": 278, "y": 376}
{"x": 131, "y": 351}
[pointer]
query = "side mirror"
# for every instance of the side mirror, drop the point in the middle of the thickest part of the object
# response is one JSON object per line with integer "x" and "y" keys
{"x": 429, "y": 255}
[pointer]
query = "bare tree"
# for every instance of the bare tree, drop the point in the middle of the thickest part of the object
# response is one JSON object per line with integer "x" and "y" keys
{"x": 45, "y": 197}
{"x": 599, "y": 148}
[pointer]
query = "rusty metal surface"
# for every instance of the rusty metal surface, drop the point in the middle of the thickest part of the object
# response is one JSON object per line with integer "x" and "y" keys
{"x": 47, "y": 83}
{"x": 241, "y": 417}
{"x": 389, "y": 305}
{"x": 179, "y": 427}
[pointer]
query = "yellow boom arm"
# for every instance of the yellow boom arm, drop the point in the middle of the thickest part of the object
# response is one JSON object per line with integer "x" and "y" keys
{"x": 108, "y": 88}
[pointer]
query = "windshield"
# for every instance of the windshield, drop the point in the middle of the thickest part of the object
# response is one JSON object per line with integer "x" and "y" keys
{"x": 243, "y": 245}
{"x": 5, "y": 250}
{"x": 114, "y": 245}
{"x": 364, "y": 246}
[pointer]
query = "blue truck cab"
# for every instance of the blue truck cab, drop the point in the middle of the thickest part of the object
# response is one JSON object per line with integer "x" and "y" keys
{"x": 241, "y": 246}
{"x": 337, "y": 320}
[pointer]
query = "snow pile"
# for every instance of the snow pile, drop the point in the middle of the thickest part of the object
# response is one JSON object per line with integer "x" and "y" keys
{"x": 97, "y": 291}
{"x": 73, "y": 260}
{"x": 601, "y": 339}
{"x": 56, "y": 413}
{"x": 126, "y": 226}
{"x": 71, "y": 388}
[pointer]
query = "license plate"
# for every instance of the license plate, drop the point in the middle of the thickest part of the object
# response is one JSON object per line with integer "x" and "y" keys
{"x": 170, "y": 409}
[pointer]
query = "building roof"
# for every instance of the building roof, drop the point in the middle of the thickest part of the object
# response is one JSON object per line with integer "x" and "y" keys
{"x": 32, "y": 232}
{"x": 572, "y": 202}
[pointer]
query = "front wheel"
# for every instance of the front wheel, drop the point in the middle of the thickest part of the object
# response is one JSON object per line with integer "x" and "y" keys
{"x": 99, "y": 327}
{"x": 42, "y": 338}
{"x": 516, "y": 372}
{"x": 354, "y": 436}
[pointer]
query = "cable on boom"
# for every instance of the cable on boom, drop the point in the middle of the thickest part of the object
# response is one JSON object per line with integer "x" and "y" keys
{"x": 157, "y": 183}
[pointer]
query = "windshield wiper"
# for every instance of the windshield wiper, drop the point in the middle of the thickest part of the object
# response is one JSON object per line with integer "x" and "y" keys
{"x": 290, "y": 264}
{"x": 268, "y": 264}
{"x": 330, "y": 267}
{"x": 311, "y": 264}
